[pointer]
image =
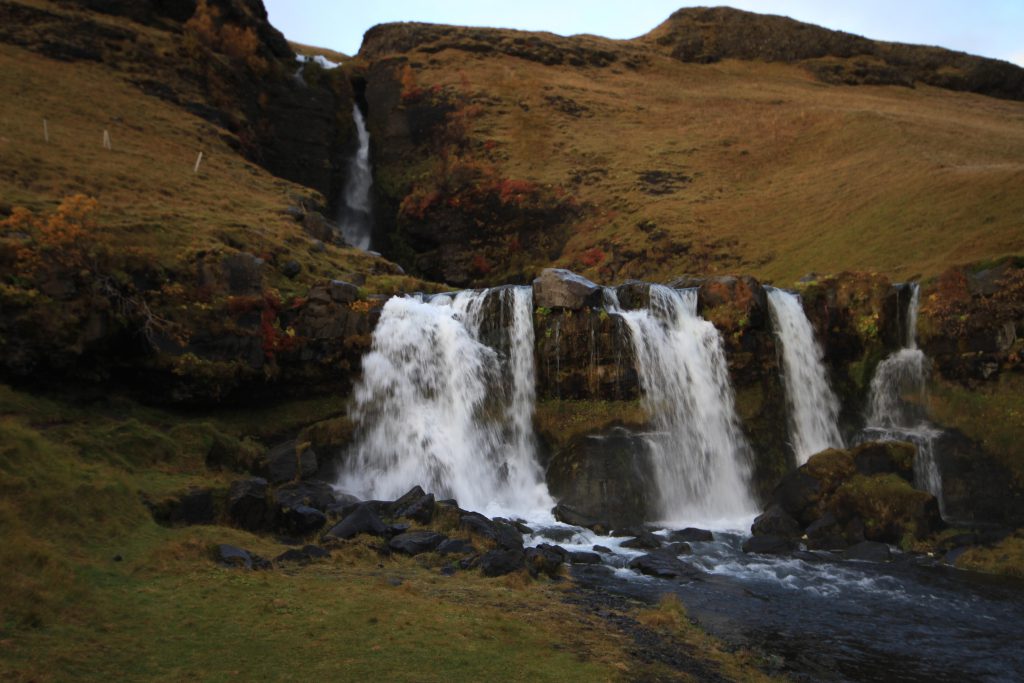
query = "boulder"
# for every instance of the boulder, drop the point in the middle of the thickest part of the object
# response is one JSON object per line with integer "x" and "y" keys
{"x": 825, "y": 533}
{"x": 891, "y": 509}
{"x": 455, "y": 546}
{"x": 301, "y": 520}
{"x": 663, "y": 565}
{"x": 315, "y": 494}
{"x": 416, "y": 542}
{"x": 775, "y": 521}
{"x": 797, "y": 495}
{"x": 769, "y": 545}
{"x": 501, "y": 561}
{"x": 868, "y": 551}
{"x": 420, "y": 509}
{"x": 634, "y": 294}
{"x": 603, "y": 480}
{"x": 677, "y": 548}
{"x": 343, "y": 292}
{"x": 247, "y": 504}
{"x": 885, "y": 457}
{"x": 570, "y": 515}
{"x": 584, "y": 557}
{"x": 645, "y": 541}
{"x": 303, "y": 555}
{"x": 545, "y": 559}
{"x": 285, "y": 463}
{"x": 691, "y": 535}
{"x": 362, "y": 520}
{"x": 560, "y": 288}
{"x": 243, "y": 274}
{"x": 232, "y": 556}
{"x": 504, "y": 535}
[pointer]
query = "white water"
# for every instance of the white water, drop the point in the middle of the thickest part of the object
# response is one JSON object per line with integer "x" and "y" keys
{"x": 438, "y": 408}
{"x": 699, "y": 455}
{"x": 356, "y": 221}
{"x": 813, "y": 408}
{"x": 899, "y": 391}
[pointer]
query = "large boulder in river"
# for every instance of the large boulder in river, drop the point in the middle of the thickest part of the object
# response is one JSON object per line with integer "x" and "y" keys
{"x": 560, "y": 288}
{"x": 604, "y": 477}
{"x": 892, "y": 511}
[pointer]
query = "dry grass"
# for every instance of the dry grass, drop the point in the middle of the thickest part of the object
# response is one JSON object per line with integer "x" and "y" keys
{"x": 788, "y": 175}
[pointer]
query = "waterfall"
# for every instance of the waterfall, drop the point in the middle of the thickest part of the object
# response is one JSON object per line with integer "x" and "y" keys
{"x": 355, "y": 219}
{"x": 699, "y": 455}
{"x": 813, "y": 409}
{"x": 439, "y": 408}
{"x": 901, "y": 376}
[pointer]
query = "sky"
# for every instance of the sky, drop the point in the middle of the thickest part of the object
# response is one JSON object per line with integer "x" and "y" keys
{"x": 991, "y": 28}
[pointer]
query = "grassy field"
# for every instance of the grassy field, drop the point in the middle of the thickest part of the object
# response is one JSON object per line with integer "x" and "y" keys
{"x": 777, "y": 174}
{"x": 93, "y": 588}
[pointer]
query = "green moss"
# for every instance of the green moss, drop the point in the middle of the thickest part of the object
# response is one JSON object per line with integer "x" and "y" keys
{"x": 889, "y": 507}
{"x": 830, "y": 467}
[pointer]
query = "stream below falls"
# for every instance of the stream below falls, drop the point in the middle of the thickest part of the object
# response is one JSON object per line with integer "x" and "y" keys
{"x": 829, "y": 619}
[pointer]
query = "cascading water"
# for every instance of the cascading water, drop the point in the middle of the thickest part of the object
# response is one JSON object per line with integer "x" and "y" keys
{"x": 813, "y": 408}
{"x": 438, "y": 408}
{"x": 699, "y": 455}
{"x": 356, "y": 214}
{"x": 896, "y": 403}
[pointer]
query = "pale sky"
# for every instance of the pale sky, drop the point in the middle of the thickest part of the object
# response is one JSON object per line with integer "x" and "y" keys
{"x": 992, "y": 28}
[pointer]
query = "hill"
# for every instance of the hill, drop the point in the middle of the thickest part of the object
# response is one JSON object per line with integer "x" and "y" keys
{"x": 722, "y": 141}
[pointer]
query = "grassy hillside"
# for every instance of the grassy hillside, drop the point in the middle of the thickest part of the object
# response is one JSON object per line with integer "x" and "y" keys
{"x": 734, "y": 166}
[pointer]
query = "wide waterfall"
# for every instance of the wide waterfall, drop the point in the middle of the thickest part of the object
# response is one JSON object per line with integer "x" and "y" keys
{"x": 699, "y": 455}
{"x": 813, "y": 408}
{"x": 356, "y": 213}
{"x": 896, "y": 402}
{"x": 439, "y": 408}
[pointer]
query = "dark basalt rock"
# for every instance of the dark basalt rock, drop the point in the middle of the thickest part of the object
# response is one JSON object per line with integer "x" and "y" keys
{"x": 285, "y": 463}
{"x": 416, "y": 542}
{"x": 415, "y": 505}
{"x": 869, "y": 551}
{"x": 797, "y": 494}
{"x": 885, "y": 457}
{"x": 775, "y": 522}
{"x": 303, "y": 555}
{"x": 560, "y": 288}
{"x": 455, "y": 546}
{"x": 501, "y": 561}
{"x": 645, "y": 541}
{"x": 301, "y": 520}
{"x": 231, "y": 556}
{"x": 362, "y": 520}
{"x": 825, "y": 533}
{"x": 247, "y": 504}
{"x": 769, "y": 545}
{"x": 545, "y": 559}
{"x": 583, "y": 557}
{"x": 690, "y": 535}
{"x": 315, "y": 494}
{"x": 664, "y": 565}
{"x": 504, "y": 535}
{"x": 602, "y": 480}
{"x": 678, "y": 548}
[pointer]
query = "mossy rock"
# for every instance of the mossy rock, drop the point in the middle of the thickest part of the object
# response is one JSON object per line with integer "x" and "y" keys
{"x": 885, "y": 457}
{"x": 891, "y": 509}
{"x": 830, "y": 467}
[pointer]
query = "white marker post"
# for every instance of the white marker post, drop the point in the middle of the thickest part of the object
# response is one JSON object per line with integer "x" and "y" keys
{"x": 199, "y": 160}
{"x": 46, "y": 131}
{"x": 106, "y": 141}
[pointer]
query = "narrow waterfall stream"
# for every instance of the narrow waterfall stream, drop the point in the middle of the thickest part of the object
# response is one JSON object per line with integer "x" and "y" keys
{"x": 896, "y": 403}
{"x": 813, "y": 408}
{"x": 699, "y": 455}
{"x": 356, "y": 213}
{"x": 438, "y": 408}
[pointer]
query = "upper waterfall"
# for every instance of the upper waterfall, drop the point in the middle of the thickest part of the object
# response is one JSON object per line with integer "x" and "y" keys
{"x": 356, "y": 213}
{"x": 813, "y": 409}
